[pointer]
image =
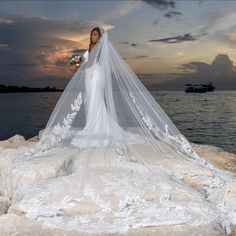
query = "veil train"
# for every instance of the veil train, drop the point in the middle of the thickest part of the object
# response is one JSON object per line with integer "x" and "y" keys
{"x": 116, "y": 151}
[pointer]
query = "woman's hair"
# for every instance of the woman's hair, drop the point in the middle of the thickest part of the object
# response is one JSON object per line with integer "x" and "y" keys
{"x": 98, "y": 30}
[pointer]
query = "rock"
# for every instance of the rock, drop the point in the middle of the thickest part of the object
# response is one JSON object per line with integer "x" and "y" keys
{"x": 233, "y": 233}
{"x": 11, "y": 224}
{"x": 40, "y": 133}
{"x": 22, "y": 174}
{"x": 37, "y": 137}
{"x": 14, "y": 209}
{"x": 13, "y": 142}
{"x": 59, "y": 172}
{"x": 33, "y": 139}
{"x": 217, "y": 156}
{"x": 4, "y": 204}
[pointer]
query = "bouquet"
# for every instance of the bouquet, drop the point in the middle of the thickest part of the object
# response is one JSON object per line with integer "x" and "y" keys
{"x": 76, "y": 58}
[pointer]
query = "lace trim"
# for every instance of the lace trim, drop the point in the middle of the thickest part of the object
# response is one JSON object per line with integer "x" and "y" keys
{"x": 182, "y": 142}
{"x": 220, "y": 179}
{"x": 59, "y": 132}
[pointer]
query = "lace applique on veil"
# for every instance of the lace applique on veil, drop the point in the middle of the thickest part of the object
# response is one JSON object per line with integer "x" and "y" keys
{"x": 117, "y": 159}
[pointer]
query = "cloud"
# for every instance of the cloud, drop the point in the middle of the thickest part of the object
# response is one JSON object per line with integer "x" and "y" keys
{"x": 47, "y": 46}
{"x": 127, "y": 43}
{"x": 221, "y": 66}
{"x": 227, "y": 36}
{"x": 230, "y": 37}
{"x": 22, "y": 64}
{"x": 143, "y": 57}
{"x": 195, "y": 66}
{"x": 177, "y": 39}
{"x": 210, "y": 21}
{"x": 121, "y": 10}
{"x": 161, "y": 4}
{"x": 124, "y": 42}
{"x": 37, "y": 47}
{"x": 6, "y": 21}
{"x": 216, "y": 21}
{"x": 221, "y": 72}
{"x": 140, "y": 56}
{"x": 4, "y": 46}
{"x": 170, "y": 14}
{"x": 155, "y": 22}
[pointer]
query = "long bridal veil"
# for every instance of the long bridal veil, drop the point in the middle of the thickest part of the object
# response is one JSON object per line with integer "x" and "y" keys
{"x": 105, "y": 95}
{"x": 118, "y": 158}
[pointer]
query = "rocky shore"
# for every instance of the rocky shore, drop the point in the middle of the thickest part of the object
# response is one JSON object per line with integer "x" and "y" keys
{"x": 13, "y": 221}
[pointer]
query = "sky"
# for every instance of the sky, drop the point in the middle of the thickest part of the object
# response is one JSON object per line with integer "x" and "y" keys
{"x": 167, "y": 42}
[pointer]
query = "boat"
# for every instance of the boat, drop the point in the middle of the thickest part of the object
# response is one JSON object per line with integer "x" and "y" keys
{"x": 199, "y": 88}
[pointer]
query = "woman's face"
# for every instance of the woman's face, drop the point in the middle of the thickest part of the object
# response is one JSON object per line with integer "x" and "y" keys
{"x": 95, "y": 36}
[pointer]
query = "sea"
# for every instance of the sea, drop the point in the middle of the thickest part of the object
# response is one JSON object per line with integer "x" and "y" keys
{"x": 203, "y": 118}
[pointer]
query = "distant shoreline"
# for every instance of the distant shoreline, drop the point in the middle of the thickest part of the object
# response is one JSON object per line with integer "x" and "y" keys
{"x": 25, "y": 89}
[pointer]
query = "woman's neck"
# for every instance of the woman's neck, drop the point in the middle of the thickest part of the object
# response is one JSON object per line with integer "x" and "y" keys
{"x": 91, "y": 46}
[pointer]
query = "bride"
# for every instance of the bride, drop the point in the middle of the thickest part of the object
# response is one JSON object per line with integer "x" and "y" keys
{"x": 114, "y": 160}
{"x": 100, "y": 126}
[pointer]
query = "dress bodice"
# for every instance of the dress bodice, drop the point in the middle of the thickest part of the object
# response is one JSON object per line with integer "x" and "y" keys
{"x": 85, "y": 55}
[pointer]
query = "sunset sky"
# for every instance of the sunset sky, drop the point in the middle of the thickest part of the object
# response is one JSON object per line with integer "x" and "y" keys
{"x": 169, "y": 43}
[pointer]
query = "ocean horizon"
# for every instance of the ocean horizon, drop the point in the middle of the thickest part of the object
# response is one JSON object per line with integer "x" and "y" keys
{"x": 203, "y": 118}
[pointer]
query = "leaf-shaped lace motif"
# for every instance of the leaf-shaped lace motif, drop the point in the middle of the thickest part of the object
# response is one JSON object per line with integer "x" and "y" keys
{"x": 59, "y": 132}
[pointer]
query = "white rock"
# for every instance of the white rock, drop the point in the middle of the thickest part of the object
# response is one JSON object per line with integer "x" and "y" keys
{"x": 40, "y": 133}
{"x": 37, "y": 137}
{"x": 60, "y": 173}
{"x": 11, "y": 224}
{"x": 13, "y": 142}
{"x": 4, "y": 204}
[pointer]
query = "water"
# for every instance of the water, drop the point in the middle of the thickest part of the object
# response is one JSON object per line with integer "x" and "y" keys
{"x": 204, "y": 118}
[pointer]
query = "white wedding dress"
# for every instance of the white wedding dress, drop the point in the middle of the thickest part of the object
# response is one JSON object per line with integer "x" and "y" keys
{"x": 100, "y": 128}
{"x": 110, "y": 160}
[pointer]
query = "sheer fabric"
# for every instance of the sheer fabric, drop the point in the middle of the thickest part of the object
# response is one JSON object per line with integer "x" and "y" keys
{"x": 115, "y": 148}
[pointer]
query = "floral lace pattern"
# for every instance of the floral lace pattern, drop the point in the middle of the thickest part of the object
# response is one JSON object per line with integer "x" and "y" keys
{"x": 130, "y": 183}
{"x": 217, "y": 185}
{"x": 182, "y": 142}
{"x": 111, "y": 190}
{"x": 59, "y": 132}
{"x": 140, "y": 200}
